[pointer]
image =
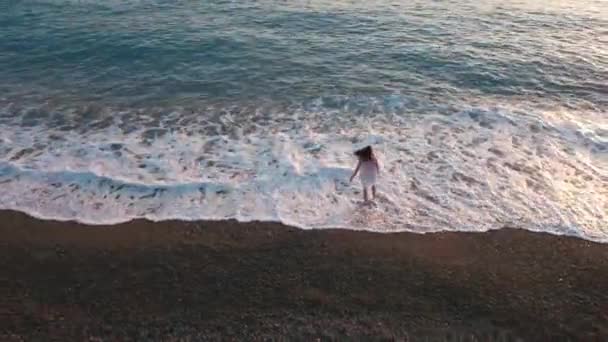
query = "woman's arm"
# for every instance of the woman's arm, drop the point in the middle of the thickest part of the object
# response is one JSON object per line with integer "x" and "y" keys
{"x": 356, "y": 170}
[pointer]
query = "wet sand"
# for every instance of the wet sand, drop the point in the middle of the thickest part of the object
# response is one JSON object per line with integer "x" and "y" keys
{"x": 248, "y": 281}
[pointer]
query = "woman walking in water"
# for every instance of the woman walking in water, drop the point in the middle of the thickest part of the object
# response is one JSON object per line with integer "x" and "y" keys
{"x": 368, "y": 170}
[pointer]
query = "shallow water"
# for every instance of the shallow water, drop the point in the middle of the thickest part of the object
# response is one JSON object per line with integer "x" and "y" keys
{"x": 483, "y": 115}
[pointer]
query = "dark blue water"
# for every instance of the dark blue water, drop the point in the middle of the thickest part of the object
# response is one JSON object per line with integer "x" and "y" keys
{"x": 485, "y": 114}
{"x": 178, "y": 50}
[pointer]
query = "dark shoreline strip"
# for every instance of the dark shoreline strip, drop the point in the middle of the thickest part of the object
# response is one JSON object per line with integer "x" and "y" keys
{"x": 248, "y": 281}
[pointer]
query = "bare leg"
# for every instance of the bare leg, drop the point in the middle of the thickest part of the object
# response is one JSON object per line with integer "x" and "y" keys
{"x": 373, "y": 191}
{"x": 365, "y": 194}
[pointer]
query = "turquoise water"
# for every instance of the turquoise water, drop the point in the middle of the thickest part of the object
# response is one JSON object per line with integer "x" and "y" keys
{"x": 485, "y": 113}
{"x": 174, "y": 51}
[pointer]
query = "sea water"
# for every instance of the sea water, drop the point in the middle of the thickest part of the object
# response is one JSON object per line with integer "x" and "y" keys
{"x": 484, "y": 114}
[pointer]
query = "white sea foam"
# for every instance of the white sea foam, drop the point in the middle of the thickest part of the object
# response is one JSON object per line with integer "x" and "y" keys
{"x": 470, "y": 168}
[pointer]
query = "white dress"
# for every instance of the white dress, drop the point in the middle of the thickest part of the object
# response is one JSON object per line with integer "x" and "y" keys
{"x": 368, "y": 172}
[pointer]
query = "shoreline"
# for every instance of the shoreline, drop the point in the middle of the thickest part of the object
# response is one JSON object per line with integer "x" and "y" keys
{"x": 140, "y": 221}
{"x": 224, "y": 279}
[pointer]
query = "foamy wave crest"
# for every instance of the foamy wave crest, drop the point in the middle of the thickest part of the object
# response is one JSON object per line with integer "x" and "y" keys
{"x": 457, "y": 167}
{"x": 93, "y": 199}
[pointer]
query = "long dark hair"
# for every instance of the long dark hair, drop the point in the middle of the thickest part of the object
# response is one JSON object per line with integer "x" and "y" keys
{"x": 365, "y": 154}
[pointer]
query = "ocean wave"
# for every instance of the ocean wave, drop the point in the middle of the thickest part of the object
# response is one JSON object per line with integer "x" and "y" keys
{"x": 463, "y": 166}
